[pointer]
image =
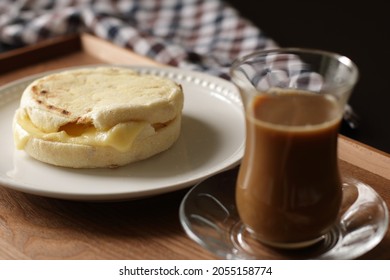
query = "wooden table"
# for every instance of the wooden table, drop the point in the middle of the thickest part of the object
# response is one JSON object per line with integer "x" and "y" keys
{"x": 34, "y": 227}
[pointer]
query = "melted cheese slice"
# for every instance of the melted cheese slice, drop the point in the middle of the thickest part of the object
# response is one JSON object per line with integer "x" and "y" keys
{"x": 119, "y": 137}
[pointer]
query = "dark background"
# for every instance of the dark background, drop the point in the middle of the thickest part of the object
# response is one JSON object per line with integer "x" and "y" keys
{"x": 358, "y": 30}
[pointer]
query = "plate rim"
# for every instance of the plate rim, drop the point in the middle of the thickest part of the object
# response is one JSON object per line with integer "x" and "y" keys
{"x": 212, "y": 83}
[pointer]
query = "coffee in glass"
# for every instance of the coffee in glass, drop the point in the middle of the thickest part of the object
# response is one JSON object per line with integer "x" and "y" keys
{"x": 288, "y": 191}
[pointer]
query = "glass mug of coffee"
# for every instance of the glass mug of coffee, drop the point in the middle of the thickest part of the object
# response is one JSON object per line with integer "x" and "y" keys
{"x": 289, "y": 189}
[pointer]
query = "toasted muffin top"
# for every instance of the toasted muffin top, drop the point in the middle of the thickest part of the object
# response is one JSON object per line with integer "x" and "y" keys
{"x": 102, "y": 97}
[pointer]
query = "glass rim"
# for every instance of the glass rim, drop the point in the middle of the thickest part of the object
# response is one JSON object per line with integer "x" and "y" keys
{"x": 308, "y": 51}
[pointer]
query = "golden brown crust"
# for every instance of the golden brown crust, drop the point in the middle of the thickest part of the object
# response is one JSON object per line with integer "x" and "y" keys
{"x": 104, "y": 99}
{"x": 102, "y": 96}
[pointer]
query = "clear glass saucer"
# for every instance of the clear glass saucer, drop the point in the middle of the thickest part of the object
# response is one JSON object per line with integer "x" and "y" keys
{"x": 208, "y": 215}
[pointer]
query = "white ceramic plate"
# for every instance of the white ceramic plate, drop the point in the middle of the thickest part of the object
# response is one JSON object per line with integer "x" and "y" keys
{"x": 212, "y": 140}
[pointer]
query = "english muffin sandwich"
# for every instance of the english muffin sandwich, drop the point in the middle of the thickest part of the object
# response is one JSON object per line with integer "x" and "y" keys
{"x": 98, "y": 117}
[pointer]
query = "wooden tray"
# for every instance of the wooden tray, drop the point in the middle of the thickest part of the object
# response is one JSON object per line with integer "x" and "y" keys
{"x": 64, "y": 52}
{"x": 34, "y": 227}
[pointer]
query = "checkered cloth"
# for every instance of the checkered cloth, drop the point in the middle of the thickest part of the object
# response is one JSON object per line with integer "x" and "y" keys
{"x": 203, "y": 35}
